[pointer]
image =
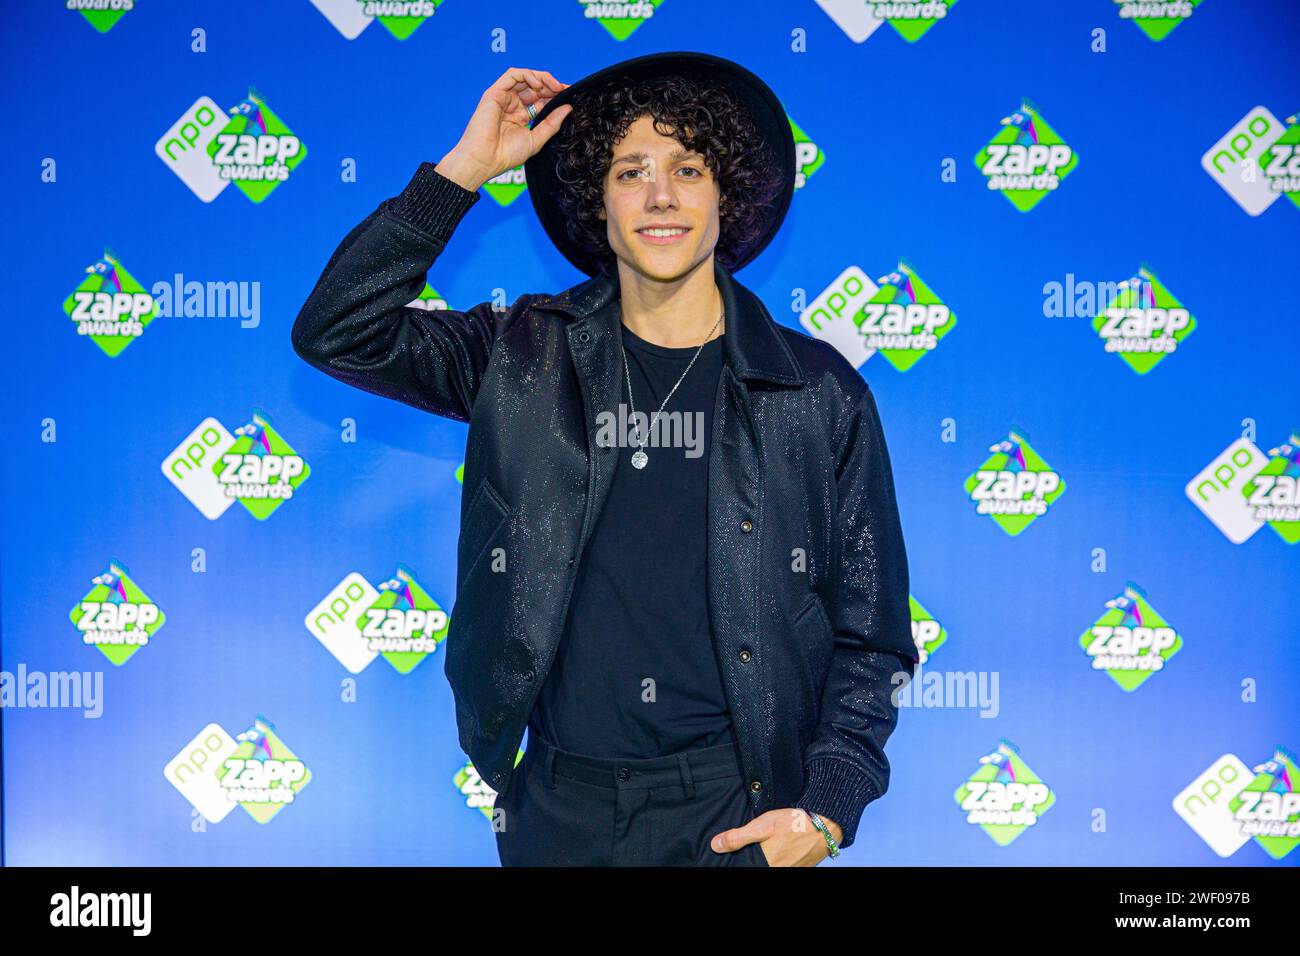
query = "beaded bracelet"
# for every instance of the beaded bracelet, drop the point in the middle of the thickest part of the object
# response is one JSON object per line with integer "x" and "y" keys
{"x": 826, "y": 833}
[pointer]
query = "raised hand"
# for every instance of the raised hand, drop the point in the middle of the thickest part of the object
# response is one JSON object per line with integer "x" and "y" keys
{"x": 498, "y": 136}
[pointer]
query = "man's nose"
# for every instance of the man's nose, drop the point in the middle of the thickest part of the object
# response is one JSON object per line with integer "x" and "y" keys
{"x": 660, "y": 193}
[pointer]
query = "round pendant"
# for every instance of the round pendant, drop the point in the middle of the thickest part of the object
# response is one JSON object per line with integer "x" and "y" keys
{"x": 639, "y": 458}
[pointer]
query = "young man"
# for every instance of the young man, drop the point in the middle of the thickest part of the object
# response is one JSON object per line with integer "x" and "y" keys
{"x": 700, "y": 626}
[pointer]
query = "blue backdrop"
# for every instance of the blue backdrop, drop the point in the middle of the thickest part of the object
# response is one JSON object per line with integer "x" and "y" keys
{"x": 897, "y": 125}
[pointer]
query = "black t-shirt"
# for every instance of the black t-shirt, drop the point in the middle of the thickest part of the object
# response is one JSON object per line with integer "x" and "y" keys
{"x": 635, "y": 674}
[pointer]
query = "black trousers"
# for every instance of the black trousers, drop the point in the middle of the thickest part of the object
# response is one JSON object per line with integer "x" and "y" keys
{"x": 564, "y": 809}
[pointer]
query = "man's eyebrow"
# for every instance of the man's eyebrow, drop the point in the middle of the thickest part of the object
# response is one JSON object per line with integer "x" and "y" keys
{"x": 638, "y": 157}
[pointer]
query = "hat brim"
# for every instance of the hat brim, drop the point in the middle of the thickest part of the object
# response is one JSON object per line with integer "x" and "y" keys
{"x": 768, "y": 114}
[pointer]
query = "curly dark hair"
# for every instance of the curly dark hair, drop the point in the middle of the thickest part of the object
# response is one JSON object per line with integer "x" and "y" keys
{"x": 701, "y": 115}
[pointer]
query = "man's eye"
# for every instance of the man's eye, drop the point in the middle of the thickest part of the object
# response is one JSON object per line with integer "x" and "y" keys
{"x": 636, "y": 172}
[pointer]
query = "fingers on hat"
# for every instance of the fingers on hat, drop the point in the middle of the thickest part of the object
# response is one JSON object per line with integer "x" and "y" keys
{"x": 550, "y": 80}
{"x": 529, "y": 95}
{"x": 516, "y": 77}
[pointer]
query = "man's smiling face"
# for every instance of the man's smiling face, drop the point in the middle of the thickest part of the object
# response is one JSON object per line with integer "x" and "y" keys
{"x": 661, "y": 204}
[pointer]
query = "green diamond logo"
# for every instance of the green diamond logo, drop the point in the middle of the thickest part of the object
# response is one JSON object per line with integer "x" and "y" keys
{"x": 1281, "y": 161}
{"x": 807, "y": 155}
{"x": 927, "y": 633}
{"x": 1027, "y": 159}
{"x": 1269, "y": 807}
{"x": 1157, "y": 28}
{"x": 103, "y": 20}
{"x": 914, "y": 20}
{"x": 261, "y": 470}
{"x": 428, "y": 299}
{"x": 255, "y": 150}
{"x": 476, "y": 791}
{"x": 110, "y": 307}
{"x": 507, "y": 187}
{"x": 403, "y": 26}
{"x": 1273, "y": 493}
{"x": 405, "y": 625}
{"x": 1015, "y": 485}
{"x": 1004, "y": 796}
{"x": 1130, "y": 641}
{"x": 1144, "y": 323}
{"x": 116, "y": 616}
{"x": 263, "y": 775}
{"x": 620, "y": 19}
{"x": 904, "y": 320}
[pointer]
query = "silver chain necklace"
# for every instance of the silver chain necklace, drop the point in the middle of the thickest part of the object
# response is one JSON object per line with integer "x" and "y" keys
{"x": 639, "y": 457}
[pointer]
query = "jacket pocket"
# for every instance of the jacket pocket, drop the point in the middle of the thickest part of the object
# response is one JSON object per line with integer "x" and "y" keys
{"x": 486, "y": 513}
{"x": 814, "y": 645}
{"x": 813, "y": 605}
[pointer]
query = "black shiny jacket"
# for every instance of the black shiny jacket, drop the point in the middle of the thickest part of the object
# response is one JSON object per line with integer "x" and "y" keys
{"x": 807, "y": 574}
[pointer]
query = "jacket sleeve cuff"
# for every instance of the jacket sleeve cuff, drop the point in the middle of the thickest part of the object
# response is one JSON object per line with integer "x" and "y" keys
{"x": 432, "y": 203}
{"x": 838, "y": 790}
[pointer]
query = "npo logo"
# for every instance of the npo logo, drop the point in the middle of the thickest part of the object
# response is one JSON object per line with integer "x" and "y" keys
{"x": 248, "y": 145}
{"x": 1234, "y": 162}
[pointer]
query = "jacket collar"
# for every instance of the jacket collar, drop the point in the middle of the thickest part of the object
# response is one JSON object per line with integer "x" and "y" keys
{"x": 753, "y": 343}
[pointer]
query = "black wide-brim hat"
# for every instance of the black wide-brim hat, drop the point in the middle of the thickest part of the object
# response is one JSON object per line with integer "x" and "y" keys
{"x": 753, "y": 94}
